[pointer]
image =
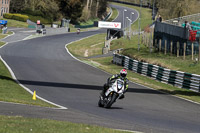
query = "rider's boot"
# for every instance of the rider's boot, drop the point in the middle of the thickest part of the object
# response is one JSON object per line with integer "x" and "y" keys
{"x": 105, "y": 87}
{"x": 122, "y": 96}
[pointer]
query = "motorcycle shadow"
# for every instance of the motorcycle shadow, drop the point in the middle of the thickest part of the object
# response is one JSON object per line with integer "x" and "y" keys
{"x": 113, "y": 108}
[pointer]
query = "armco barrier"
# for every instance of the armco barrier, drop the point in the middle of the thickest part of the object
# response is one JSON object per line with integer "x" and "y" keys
{"x": 176, "y": 78}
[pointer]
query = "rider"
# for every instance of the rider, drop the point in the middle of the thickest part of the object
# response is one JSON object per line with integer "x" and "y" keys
{"x": 122, "y": 75}
{"x": 78, "y": 30}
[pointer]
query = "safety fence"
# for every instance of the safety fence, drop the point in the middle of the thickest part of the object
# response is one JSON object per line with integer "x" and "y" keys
{"x": 175, "y": 78}
{"x": 31, "y": 24}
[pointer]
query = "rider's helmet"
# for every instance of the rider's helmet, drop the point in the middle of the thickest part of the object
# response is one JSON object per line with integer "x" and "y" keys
{"x": 123, "y": 73}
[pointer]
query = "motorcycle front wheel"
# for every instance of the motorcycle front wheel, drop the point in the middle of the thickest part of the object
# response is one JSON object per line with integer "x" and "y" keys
{"x": 112, "y": 97}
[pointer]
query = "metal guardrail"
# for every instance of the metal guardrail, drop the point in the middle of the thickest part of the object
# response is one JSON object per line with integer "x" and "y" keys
{"x": 175, "y": 78}
{"x": 109, "y": 15}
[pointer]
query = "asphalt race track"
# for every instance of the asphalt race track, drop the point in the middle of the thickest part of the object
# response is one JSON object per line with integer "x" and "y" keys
{"x": 44, "y": 65}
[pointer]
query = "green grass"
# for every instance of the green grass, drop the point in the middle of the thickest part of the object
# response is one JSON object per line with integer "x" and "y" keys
{"x": 89, "y": 22}
{"x": 2, "y": 43}
{"x": 168, "y": 61}
{"x": 15, "y": 23}
{"x": 18, "y": 124}
{"x": 2, "y": 35}
{"x": 114, "y": 14}
{"x": 88, "y": 47}
{"x": 10, "y": 91}
{"x": 5, "y": 35}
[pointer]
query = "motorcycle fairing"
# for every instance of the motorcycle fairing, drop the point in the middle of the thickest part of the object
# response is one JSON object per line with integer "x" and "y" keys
{"x": 117, "y": 86}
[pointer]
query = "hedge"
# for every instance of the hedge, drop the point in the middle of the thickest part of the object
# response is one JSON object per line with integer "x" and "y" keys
{"x": 18, "y": 17}
{"x": 42, "y": 20}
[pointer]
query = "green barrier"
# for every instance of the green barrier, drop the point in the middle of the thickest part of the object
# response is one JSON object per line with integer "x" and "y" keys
{"x": 84, "y": 26}
{"x": 176, "y": 78}
{"x": 31, "y": 26}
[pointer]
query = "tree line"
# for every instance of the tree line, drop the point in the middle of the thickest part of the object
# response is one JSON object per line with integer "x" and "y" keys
{"x": 76, "y": 10}
{"x": 171, "y": 8}
{"x": 177, "y": 8}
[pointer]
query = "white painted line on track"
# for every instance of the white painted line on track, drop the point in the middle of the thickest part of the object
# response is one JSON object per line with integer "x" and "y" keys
{"x": 10, "y": 42}
{"x": 27, "y": 105}
{"x": 26, "y": 38}
{"x": 27, "y": 89}
{"x": 5, "y": 38}
{"x": 4, "y": 44}
{"x": 128, "y": 131}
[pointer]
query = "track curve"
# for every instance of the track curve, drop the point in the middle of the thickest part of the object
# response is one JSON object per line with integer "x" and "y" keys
{"x": 42, "y": 64}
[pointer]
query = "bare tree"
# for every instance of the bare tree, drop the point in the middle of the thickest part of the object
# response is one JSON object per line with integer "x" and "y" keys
{"x": 97, "y": 7}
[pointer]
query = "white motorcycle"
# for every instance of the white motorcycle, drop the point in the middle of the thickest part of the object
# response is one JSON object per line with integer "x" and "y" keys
{"x": 114, "y": 92}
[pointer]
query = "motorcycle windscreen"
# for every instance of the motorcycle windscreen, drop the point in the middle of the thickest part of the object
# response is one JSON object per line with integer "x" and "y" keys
{"x": 120, "y": 85}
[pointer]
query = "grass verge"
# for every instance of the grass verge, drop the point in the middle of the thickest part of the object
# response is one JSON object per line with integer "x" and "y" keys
{"x": 88, "y": 47}
{"x": 3, "y": 36}
{"x": 168, "y": 61}
{"x": 2, "y": 43}
{"x": 15, "y": 23}
{"x": 10, "y": 91}
{"x": 10, "y": 124}
{"x": 114, "y": 14}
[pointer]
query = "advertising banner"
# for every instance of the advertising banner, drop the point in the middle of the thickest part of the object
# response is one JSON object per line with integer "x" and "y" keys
{"x": 111, "y": 25}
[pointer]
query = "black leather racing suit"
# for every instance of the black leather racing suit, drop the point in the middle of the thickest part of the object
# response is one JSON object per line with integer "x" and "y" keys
{"x": 112, "y": 79}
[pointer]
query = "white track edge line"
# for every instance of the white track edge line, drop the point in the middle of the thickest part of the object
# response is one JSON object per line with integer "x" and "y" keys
{"x": 28, "y": 105}
{"x": 128, "y": 131}
{"x": 27, "y": 89}
{"x": 13, "y": 33}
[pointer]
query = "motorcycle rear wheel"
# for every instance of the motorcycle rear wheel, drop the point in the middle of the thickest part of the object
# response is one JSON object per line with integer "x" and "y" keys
{"x": 100, "y": 103}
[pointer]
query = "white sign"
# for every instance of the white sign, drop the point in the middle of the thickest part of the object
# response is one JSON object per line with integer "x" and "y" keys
{"x": 113, "y": 25}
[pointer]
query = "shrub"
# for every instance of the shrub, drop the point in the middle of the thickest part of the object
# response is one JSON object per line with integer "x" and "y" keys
{"x": 18, "y": 17}
{"x": 42, "y": 20}
{"x": 32, "y": 13}
{"x": 24, "y": 18}
{"x": 8, "y": 15}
